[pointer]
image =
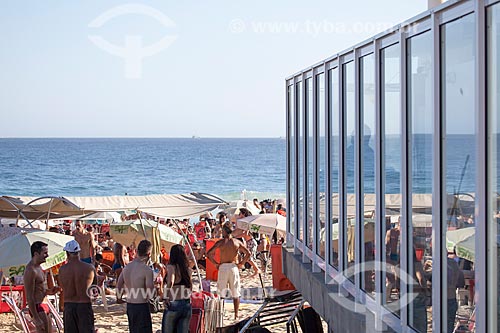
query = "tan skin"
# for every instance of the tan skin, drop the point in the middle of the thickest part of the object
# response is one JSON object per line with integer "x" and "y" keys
{"x": 120, "y": 253}
{"x": 86, "y": 241}
{"x": 76, "y": 277}
{"x": 136, "y": 275}
{"x": 256, "y": 269}
{"x": 229, "y": 248}
{"x": 175, "y": 293}
{"x": 34, "y": 286}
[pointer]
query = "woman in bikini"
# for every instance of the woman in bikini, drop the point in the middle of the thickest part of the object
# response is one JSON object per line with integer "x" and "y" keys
{"x": 178, "y": 288}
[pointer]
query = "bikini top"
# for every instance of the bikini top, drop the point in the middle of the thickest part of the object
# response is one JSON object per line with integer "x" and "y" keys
{"x": 183, "y": 281}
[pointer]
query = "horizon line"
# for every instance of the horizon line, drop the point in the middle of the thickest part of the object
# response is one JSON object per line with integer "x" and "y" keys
{"x": 139, "y": 137}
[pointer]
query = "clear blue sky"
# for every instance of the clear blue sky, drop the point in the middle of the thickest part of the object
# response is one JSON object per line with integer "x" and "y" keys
{"x": 222, "y": 76}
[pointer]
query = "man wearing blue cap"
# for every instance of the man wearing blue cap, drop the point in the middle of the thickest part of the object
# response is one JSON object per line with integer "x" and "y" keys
{"x": 76, "y": 277}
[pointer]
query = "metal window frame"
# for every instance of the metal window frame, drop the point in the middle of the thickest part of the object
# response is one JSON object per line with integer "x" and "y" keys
{"x": 288, "y": 87}
{"x": 332, "y": 71}
{"x": 320, "y": 70}
{"x": 429, "y": 21}
{"x": 307, "y": 254}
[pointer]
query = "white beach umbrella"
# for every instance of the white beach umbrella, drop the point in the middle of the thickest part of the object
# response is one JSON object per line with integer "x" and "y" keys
{"x": 15, "y": 251}
{"x": 263, "y": 223}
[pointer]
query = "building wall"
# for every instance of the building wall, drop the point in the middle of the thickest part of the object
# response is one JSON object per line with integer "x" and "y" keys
{"x": 392, "y": 175}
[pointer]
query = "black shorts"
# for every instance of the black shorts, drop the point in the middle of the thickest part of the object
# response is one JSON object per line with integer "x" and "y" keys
{"x": 78, "y": 317}
{"x": 139, "y": 318}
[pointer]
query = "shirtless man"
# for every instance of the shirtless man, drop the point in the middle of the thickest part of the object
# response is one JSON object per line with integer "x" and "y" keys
{"x": 86, "y": 241}
{"x": 229, "y": 275}
{"x": 217, "y": 231}
{"x": 137, "y": 281}
{"x": 76, "y": 277}
{"x": 36, "y": 287}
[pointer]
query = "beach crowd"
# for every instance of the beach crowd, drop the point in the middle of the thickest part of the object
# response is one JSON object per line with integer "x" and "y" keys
{"x": 146, "y": 284}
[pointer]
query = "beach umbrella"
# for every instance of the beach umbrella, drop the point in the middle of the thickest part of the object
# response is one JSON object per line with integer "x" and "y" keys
{"x": 234, "y": 207}
{"x": 463, "y": 241}
{"x": 263, "y": 224}
{"x": 133, "y": 231}
{"x": 15, "y": 251}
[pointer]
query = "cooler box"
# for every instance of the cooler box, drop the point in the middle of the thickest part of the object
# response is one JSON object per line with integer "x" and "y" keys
{"x": 280, "y": 281}
{"x": 17, "y": 294}
{"x": 212, "y": 272}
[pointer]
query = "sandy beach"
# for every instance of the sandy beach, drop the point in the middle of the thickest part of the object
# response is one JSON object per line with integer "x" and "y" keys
{"x": 115, "y": 319}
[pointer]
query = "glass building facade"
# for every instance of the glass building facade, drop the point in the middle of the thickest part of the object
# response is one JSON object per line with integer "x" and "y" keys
{"x": 393, "y": 175}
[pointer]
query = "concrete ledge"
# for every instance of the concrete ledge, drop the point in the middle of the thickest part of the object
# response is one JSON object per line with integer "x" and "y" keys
{"x": 324, "y": 298}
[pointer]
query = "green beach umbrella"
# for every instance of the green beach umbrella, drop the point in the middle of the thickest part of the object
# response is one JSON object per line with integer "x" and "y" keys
{"x": 463, "y": 241}
{"x": 132, "y": 232}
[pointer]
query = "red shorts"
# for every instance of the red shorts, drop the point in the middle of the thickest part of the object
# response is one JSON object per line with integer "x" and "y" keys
{"x": 41, "y": 307}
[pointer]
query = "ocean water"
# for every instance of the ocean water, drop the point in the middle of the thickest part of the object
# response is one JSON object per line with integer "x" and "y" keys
{"x": 98, "y": 167}
{"x": 224, "y": 167}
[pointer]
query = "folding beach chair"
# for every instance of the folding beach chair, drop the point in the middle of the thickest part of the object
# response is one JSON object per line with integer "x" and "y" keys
{"x": 57, "y": 321}
{"x": 464, "y": 324}
{"x": 26, "y": 322}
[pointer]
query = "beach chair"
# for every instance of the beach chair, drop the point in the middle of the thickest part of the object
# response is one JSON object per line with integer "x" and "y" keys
{"x": 57, "y": 321}
{"x": 464, "y": 324}
{"x": 26, "y": 323}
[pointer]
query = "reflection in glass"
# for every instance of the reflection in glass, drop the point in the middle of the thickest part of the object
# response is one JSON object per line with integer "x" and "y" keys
{"x": 301, "y": 128}
{"x": 391, "y": 92}
{"x": 291, "y": 154}
{"x": 367, "y": 109}
{"x": 419, "y": 74}
{"x": 350, "y": 161}
{"x": 493, "y": 72}
{"x": 310, "y": 160}
{"x": 320, "y": 97}
{"x": 457, "y": 75}
{"x": 333, "y": 93}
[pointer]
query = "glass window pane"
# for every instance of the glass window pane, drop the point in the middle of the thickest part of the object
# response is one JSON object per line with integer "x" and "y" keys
{"x": 310, "y": 160}
{"x": 333, "y": 77}
{"x": 320, "y": 97}
{"x": 493, "y": 74}
{"x": 419, "y": 74}
{"x": 300, "y": 185}
{"x": 291, "y": 154}
{"x": 367, "y": 109}
{"x": 457, "y": 76}
{"x": 350, "y": 162}
{"x": 391, "y": 109}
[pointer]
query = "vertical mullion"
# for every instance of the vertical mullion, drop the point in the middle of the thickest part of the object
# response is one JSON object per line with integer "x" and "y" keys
{"x": 486, "y": 316}
{"x": 296, "y": 163}
{"x": 288, "y": 160}
{"x": 358, "y": 180}
{"x": 379, "y": 183}
{"x": 439, "y": 206}
{"x": 314, "y": 199}
{"x": 405, "y": 180}
{"x": 328, "y": 190}
{"x": 342, "y": 172}
{"x": 305, "y": 259}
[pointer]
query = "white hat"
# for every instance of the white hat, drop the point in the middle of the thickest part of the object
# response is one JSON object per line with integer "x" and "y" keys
{"x": 72, "y": 246}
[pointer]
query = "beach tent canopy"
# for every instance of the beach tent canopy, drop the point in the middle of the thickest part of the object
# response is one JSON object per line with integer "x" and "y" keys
{"x": 167, "y": 205}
